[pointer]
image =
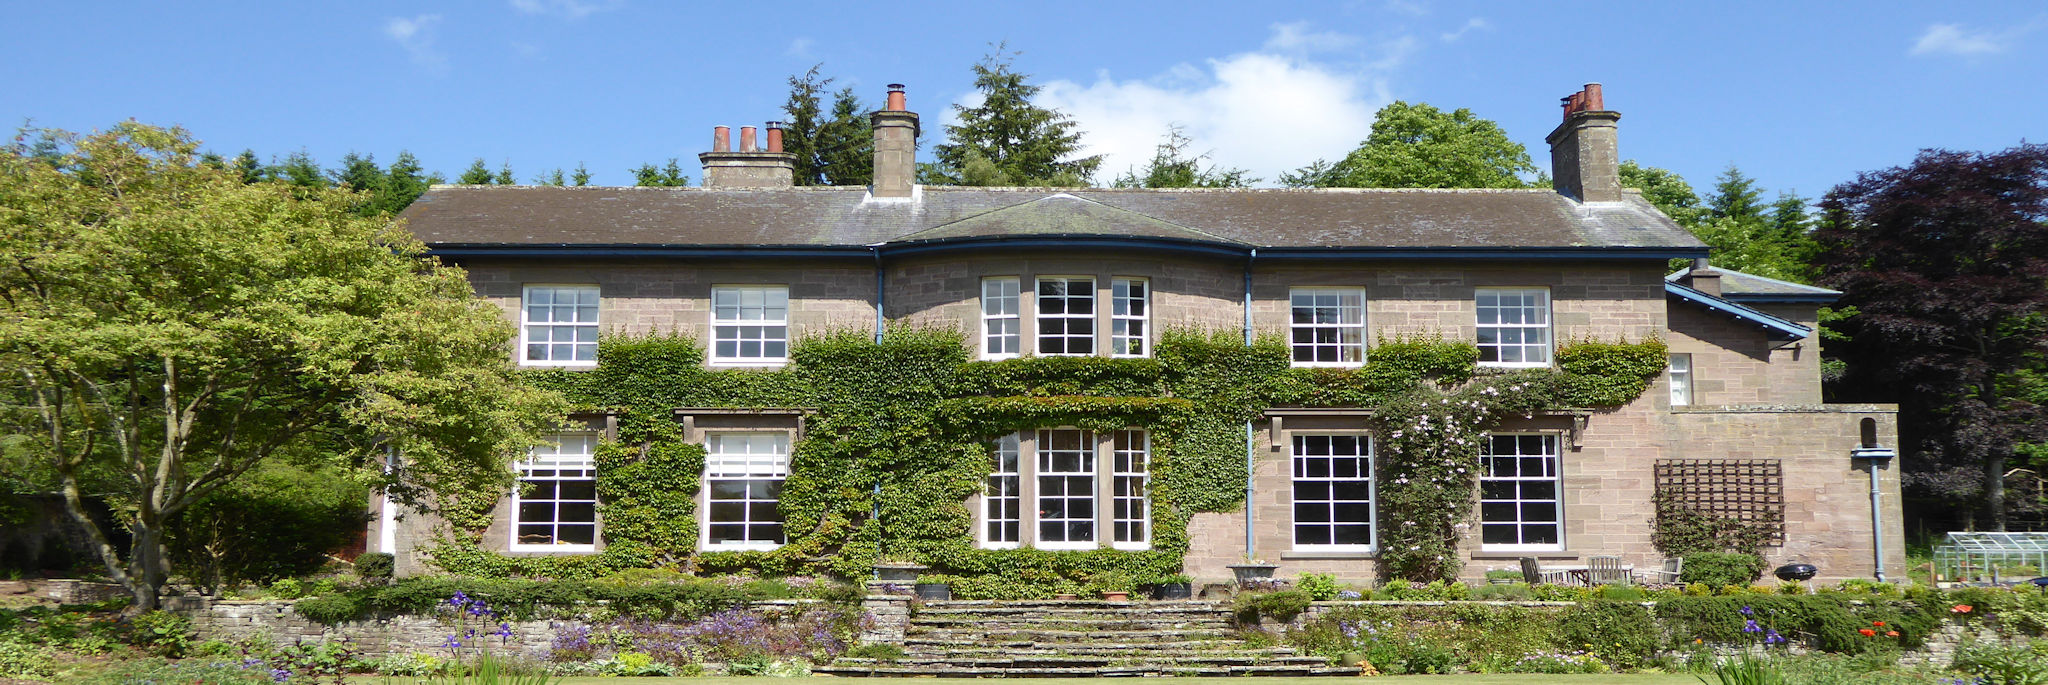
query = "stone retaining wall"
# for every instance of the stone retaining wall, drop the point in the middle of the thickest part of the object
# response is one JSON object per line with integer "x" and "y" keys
{"x": 389, "y": 635}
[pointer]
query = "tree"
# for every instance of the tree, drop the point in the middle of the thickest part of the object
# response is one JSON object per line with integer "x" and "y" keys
{"x": 550, "y": 178}
{"x": 1007, "y": 140}
{"x": 580, "y": 177}
{"x": 1945, "y": 261}
{"x": 846, "y": 144}
{"x": 300, "y": 170}
{"x": 1172, "y": 167}
{"x": 1420, "y": 146}
{"x": 505, "y": 177}
{"x": 171, "y": 327}
{"x": 402, "y": 184}
{"x": 476, "y": 175}
{"x": 800, "y": 133}
{"x": 667, "y": 176}
{"x": 247, "y": 166}
{"x": 1750, "y": 236}
{"x": 1664, "y": 189}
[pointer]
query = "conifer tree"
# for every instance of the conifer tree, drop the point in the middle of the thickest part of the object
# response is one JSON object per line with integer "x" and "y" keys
{"x": 579, "y": 177}
{"x": 476, "y": 175}
{"x": 1007, "y": 139}
{"x": 846, "y": 143}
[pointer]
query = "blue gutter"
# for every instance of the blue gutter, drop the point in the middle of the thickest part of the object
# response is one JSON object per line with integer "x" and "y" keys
{"x": 1218, "y": 249}
{"x": 1777, "y": 328}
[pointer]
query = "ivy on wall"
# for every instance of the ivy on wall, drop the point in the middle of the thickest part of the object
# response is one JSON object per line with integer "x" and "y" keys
{"x": 903, "y": 431}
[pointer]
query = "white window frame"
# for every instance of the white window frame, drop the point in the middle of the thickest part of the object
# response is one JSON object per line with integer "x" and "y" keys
{"x": 722, "y": 464}
{"x": 1681, "y": 379}
{"x": 1554, "y": 463}
{"x": 1296, "y": 327}
{"x": 1299, "y": 475}
{"x": 580, "y": 327}
{"x": 1130, "y": 318}
{"x": 1004, "y": 485}
{"x": 769, "y": 295}
{"x": 1067, "y": 316}
{"x": 563, "y": 458}
{"x": 1087, "y": 474}
{"x": 1130, "y": 471}
{"x": 1002, "y": 309}
{"x": 1116, "y": 467}
{"x": 1522, "y": 328}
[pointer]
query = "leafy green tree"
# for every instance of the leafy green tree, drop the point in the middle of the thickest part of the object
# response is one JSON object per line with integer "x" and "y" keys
{"x": 280, "y": 521}
{"x": 405, "y": 182}
{"x": 1665, "y": 189}
{"x": 174, "y": 329}
{"x": 580, "y": 177}
{"x": 1747, "y": 235}
{"x": 666, "y": 176}
{"x": 247, "y": 166}
{"x": 1173, "y": 167}
{"x": 1944, "y": 261}
{"x": 359, "y": 173}
{"x": 477, "y": 174}
{"x": 1420, "y": 146}
{"x": 300, "y": 170}
{"x": 505, "y": 177}
{"x": 846, "y": 144}
{"x": 1007, "y": 140}
{"x": 800, "y": 133}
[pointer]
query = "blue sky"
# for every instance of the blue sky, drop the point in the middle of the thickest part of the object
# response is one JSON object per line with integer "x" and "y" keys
{"x": 1802, "y": 96}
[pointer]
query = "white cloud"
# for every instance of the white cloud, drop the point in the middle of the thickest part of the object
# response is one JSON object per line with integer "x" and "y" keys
{"x": 1474, "y": 24}
{"x": 799, "y": 48}
{"x": 573, "y": 9}
{"x": 416, "y": 35}
{"x": 1267, "y": 111}
{"x": 1953, "y": 39}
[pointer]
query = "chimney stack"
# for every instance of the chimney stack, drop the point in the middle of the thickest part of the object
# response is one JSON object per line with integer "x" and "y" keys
{"x": 750, "y": 166}
{"x": 896, "y": 132}
{"x": 1585, "y": 162}
{"x": 1703, "y": 278}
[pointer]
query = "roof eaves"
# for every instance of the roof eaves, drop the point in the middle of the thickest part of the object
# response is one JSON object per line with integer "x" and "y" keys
{"x": 641, "y": 250}
{"x": 1777, "y": 328}
{"x": 1481, "y": 252}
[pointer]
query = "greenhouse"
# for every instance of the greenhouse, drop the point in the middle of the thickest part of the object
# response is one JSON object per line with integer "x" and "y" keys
{"x": 1990, "y": 557}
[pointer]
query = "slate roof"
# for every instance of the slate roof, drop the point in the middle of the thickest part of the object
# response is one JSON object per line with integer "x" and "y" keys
{"x": 1741, "y": 287}
{"x": 844, "y": 217}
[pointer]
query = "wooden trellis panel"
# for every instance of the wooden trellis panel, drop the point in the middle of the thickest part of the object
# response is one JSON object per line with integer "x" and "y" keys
{"x": 1745, "y": 489}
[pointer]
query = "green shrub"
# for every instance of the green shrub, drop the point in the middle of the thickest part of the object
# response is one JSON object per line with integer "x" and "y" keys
{"x": 1620, "y": 592}
{"x": 1279, "y": 606}
{"x": 376, "y": 565}
{"x": 1620, "y": 633}
{"x": 528, "y": 598}
{"x": 1321, "y": 587}
{"x": 162, "y": 633}
{"x": 25, "y": 661}
{"x": 1721, "y": 568}
{"x": 2013, "y": 664}
{"x": 277, "y": 523}
{"x": 182, "y": 671}
{"x": 330, "y": 609}
{"x": 879, "y": 651}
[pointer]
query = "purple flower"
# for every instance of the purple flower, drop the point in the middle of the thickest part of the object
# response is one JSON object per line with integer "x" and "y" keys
{"x": 279, "y": 675}
{"x": 453, "y": 642}
{"x": 504, "y": 630}
{"x": 1746, "y": 611}
{"x": 1771, "y": 637}
{"x": 459, "y": 599}
{"x": 1750, "y": 626}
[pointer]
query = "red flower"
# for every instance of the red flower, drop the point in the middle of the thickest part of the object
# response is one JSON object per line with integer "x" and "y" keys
{"x": 1961, "y": 609}
{"x": 1891, "y": 633}
{"x": 1879, "y": 624}
{"x": 1867, "y": 632}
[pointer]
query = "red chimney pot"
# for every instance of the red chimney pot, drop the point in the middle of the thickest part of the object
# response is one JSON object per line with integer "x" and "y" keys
{"x": 896, "y": 100}
{"x": 1593, "y": 99}
{"x": 721, "y": 139}
{"x": 747, "y": 139}
{"x": 775, "y": 136}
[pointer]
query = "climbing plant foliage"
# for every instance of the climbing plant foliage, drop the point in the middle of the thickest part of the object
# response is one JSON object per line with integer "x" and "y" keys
{"x": 900, "y": 434}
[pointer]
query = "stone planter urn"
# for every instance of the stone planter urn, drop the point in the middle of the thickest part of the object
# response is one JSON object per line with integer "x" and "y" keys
{"x": 1249, "y": 574}
{"x": 898, "y": 571}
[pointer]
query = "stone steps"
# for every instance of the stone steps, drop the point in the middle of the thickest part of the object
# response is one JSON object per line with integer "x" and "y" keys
{"x": 1079, "y": 638}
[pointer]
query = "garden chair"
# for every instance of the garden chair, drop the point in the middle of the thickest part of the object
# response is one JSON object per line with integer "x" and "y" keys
{"x": 1537, "y": 575}
{"x": 1602, "y": 570}
{"x": 1668, "y": 574}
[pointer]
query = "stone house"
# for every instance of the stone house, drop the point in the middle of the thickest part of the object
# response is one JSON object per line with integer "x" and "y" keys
{"x": 749, "y": 263}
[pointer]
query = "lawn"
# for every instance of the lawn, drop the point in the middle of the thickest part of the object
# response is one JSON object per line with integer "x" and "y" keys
{"x": 1469, "y": 679}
